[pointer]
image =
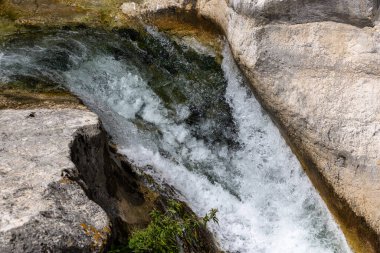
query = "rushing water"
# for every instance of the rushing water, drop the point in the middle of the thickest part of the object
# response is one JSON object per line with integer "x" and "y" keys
{"x": 191, "y": 123}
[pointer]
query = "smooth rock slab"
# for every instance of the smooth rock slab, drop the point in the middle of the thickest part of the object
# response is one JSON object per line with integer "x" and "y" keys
{"x": 40, "y": 209}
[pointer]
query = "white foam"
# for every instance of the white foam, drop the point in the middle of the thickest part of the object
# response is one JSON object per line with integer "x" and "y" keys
{"x": 277, "y": 210}
{"x": 265, "y": 201}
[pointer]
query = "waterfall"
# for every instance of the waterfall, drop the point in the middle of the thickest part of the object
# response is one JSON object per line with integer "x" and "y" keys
{"x": 190, "y": 123}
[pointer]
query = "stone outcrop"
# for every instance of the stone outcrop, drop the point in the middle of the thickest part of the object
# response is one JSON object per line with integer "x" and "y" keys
{"x": 65, "y": 188}
{"x": 41, "y": 209}
{"x": 315, "y": 66}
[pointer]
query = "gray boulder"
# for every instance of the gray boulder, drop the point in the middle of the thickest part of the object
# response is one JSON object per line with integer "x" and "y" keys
{"x": 41, "y": 210}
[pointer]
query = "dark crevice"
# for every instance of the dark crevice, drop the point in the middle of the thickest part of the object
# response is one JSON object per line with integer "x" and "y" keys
{"x": 111, "y": 181}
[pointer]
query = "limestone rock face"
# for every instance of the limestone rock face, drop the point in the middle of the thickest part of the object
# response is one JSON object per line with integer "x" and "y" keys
{"x": 358, "y": 12}
{"x": 41, "y": 210}
{"x": 321, "y": 82}
{"x": 134, "y": 9}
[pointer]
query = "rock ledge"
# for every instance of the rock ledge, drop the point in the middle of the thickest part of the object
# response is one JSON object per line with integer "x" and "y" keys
{"x": 40, "y": 208}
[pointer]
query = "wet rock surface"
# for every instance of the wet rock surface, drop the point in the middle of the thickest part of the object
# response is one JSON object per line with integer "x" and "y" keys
{"x": 41, "y": 210}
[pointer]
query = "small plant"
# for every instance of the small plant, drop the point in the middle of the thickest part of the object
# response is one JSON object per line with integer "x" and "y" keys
{"x": 211, "y": 216}
{"x": 168, "y": 231}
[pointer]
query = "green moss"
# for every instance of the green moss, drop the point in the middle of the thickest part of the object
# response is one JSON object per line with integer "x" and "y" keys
{"x": 32, "y": 85}
{"x": 7, "y": 27}
{"x": 12, "y": 15}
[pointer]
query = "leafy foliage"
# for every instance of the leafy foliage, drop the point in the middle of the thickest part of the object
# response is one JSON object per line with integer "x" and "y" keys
{"x": 168, "y": 231}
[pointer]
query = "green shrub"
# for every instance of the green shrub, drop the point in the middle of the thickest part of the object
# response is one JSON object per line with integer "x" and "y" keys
{"x": 168, "y": 231}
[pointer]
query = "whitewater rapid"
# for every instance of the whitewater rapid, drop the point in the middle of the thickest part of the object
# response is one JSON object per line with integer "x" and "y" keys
{"x": 194, "y": 125}
{"x": 272, "y": 207}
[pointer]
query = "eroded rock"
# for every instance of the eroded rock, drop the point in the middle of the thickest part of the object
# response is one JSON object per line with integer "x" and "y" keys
{"x": 41, "y": 210}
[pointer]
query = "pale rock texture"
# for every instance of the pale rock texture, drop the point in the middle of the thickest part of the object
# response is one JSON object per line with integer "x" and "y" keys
{"x": 138, "y": 8}
{"x": 321, "y": 82}
{"x": 358, "y": 12}
{"x": 41, "y": 210}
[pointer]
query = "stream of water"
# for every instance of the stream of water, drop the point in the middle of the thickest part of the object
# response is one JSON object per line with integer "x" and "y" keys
{"x": 191, "y": 123}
